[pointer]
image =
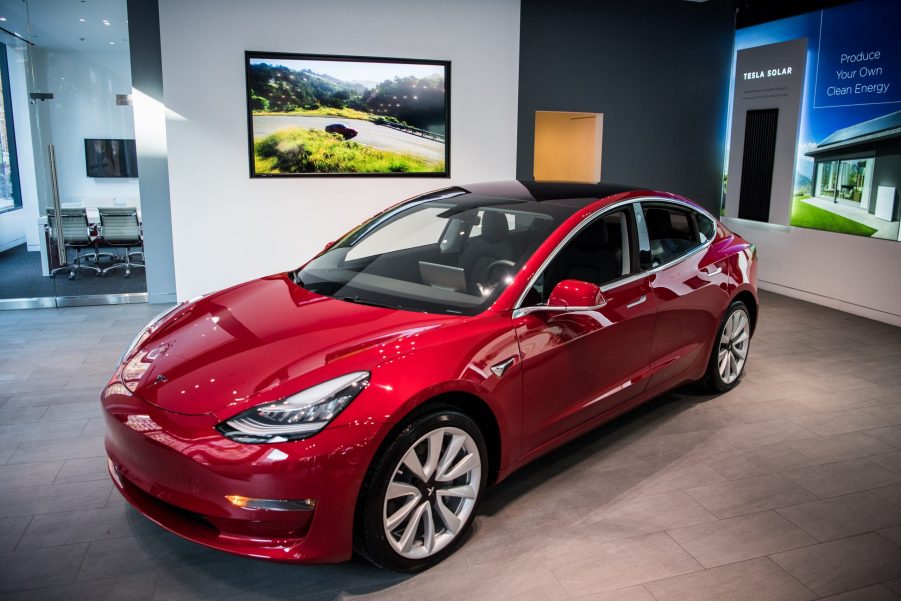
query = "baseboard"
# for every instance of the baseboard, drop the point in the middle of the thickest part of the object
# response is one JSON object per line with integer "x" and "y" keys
{"x": 12, "y": 244}
{"x": 833, "y": 303}
{"x": 162, "y": 298}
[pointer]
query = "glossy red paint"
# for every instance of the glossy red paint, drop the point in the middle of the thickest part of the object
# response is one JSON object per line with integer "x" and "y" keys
{"x": 574, "y": 293}
{"x": 267, "y": 339}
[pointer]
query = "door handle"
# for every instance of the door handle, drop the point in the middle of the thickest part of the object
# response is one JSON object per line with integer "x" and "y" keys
{"x": 714, "y": 270}
{"x": 637, "y": 301}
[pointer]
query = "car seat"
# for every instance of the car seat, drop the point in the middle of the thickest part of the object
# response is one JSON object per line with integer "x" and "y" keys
{"x": 588, "y": 258}
{"x": 480, "y": 252}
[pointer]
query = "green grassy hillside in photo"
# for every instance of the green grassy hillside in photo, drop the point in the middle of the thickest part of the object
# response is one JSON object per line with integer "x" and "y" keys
{"x": 410, "y": 101}
{"x": 313, "y": 151}
{"x": 808, "y": 216}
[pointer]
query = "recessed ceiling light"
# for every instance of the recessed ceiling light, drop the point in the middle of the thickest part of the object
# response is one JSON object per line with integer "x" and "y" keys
{"x": 82, "y": 20}
{"x": 112, "y": 43}
{"x": 2, "y": 18}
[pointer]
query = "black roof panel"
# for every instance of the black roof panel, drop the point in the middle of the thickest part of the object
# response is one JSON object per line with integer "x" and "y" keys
{"x": 547, "y": 191}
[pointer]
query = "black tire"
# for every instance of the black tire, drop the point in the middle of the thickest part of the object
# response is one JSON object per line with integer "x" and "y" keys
{"x": 371, "y": 540}
{"x": 713, "y": 379}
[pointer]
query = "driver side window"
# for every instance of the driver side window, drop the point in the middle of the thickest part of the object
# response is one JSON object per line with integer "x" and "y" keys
{"x": 600, "y": 253}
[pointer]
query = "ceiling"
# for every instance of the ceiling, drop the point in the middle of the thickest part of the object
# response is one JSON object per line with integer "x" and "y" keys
{"x": 87, "y": 25}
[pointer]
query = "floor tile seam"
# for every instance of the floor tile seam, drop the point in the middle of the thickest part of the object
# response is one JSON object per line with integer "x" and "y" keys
{"x": 101, "y": 454}
{"x": 896, "y": 503}
{"x": 868, "y": 456}
{"x": 37, "y": 588}
{"x": 827, "y": 540}
{"x": 71, "y": 418}
{"x": 84, "y": 560}
{"x": 12, "y": 454}
{"x": 819, "y": 497}
{"x": 22, "y": 535}
{"x": 747, "y": 515}
{"x": 725, "y": 565}
{"x": 19, "y": 546}
{"x": 886, "y": 539}
{"x": 60, "y": 471}
{"x": 55, "y": 436}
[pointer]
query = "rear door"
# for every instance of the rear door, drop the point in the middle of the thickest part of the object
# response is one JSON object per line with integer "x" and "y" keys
{"x": 689, "y": 286}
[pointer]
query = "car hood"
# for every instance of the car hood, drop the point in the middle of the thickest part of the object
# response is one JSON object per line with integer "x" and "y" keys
{"x": 262, "y": 341}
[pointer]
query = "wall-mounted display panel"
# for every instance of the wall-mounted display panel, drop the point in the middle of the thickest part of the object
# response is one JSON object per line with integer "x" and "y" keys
{"x": 847, "y": 137}
{"x": 318, "y": 115}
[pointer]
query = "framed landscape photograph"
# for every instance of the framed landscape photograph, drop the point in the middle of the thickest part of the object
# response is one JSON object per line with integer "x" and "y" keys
{"x": 320, "y": 115}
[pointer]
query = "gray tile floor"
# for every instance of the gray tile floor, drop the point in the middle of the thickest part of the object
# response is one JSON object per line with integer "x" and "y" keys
{"x": 788, "y": 487}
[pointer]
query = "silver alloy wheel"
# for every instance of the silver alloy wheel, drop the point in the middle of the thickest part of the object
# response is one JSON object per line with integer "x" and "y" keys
{"x": 432, "y": 493}
{"x": 733, "y": 346}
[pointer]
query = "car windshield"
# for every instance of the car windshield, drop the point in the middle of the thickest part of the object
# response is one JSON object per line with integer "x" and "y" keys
{"x": 452, "y": 254}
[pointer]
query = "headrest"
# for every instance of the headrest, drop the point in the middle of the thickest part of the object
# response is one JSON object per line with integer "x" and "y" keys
{"x": 658, "y": 222}
{"x": 592, "y": 238}
{"x": 494, "y": 226}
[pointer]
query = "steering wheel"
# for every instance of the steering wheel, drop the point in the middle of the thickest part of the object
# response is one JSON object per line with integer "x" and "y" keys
{"x": 494, "y": 273}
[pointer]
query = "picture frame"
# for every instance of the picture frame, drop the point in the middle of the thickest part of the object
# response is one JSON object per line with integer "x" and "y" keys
{"x": 318, "y": 115}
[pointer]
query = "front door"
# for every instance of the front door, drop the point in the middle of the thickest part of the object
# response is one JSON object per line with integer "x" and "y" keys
{"x": 577, "y": 365}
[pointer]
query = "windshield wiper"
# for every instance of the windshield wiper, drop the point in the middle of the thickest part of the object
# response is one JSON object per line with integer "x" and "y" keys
{"x": 361, "y": 301}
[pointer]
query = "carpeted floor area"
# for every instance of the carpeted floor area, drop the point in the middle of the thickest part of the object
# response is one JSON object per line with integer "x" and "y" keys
{"x": 20, "y": 277}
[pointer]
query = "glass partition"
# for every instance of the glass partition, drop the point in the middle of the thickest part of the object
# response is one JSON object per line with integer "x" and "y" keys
{"x": 72, "y": 231}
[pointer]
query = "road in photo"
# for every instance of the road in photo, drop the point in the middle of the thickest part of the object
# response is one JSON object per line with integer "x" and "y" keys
{"x": 370, "y": 134}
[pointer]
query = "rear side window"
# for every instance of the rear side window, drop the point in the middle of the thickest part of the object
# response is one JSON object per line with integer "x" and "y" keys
{"x": 706, "y": 227}
{"x": 672, "y": 233}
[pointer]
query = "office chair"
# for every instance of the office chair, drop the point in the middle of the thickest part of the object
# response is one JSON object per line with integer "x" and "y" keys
{"x": 119, "y": 227}
{"x": 76, "y": 235}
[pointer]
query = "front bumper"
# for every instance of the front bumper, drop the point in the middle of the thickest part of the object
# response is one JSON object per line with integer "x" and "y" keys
{"x": 177, "y": 470}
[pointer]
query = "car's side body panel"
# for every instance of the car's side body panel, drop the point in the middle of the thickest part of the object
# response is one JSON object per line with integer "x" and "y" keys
{"x": 691, "y": 297}
{"x": 577, "y": 365}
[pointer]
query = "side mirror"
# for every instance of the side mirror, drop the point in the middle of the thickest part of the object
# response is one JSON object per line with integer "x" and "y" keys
{"x": 576, "y": 295}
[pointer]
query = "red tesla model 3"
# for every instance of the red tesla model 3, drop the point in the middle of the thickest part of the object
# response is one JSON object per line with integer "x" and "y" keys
{"x": 365, "y": 401}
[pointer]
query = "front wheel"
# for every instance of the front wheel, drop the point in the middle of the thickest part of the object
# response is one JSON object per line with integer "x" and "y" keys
{"x": 423, "y": 492}
{"x": 730, "y": 349}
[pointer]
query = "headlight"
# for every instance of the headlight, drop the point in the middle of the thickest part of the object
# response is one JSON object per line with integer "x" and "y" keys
{"x": 298, "y": 416}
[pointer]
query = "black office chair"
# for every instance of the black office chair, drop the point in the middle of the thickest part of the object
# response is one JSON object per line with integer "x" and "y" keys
{"x": 77, "y": 236}
{"x": 119, "y": 228}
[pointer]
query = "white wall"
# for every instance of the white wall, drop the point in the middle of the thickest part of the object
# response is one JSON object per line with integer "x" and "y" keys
{"x": 851, "y": 273}
{"x": 228, "y": 228}
{"x": 84, "y": 86}
{"x": 12, "y": 229}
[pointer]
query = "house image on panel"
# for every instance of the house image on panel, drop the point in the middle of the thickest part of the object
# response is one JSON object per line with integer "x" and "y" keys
{"x": 857, "y": 174}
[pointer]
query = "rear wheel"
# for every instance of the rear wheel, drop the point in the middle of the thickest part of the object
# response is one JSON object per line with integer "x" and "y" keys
{"x": 730, "y": 349}
{"x": 423, "y": 492}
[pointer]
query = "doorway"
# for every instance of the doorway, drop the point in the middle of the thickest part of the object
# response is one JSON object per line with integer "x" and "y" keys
{"x": 71, "y": 231}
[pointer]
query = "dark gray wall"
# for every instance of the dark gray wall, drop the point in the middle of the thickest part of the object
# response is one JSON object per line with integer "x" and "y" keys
{"x": 657, "y": 69}
{"x": 150, "y": 140}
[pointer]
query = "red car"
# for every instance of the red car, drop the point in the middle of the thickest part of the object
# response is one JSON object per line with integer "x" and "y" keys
{"x": 342, "y": 130}
{"x": 366, "y": 400}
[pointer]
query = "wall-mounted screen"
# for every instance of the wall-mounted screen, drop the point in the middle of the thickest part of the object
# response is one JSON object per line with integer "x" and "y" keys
{"x": 316, "y": 115}
{"x": 110, "y": 158}
{"x": 846, "y": 139}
